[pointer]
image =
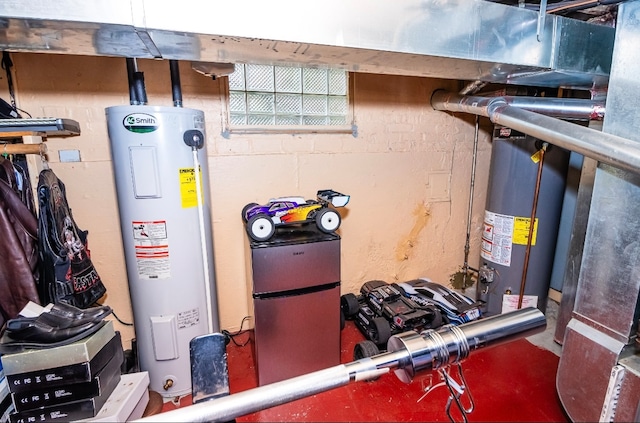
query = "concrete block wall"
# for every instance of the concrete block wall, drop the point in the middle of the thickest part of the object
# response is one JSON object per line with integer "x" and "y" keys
{"x": 407, "y": 171}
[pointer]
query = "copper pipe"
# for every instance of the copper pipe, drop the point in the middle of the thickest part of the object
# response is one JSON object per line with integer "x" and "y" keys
{"x": 532, "y": 222}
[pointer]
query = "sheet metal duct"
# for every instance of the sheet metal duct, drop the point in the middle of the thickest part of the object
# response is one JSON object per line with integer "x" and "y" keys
{"x": 604, "y": 384}
{"x": 452, "y": 39}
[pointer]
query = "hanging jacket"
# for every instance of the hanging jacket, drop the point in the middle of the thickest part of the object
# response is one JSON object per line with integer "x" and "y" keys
{"x": 18, "y": 253}
{"x": 67, "y": 273}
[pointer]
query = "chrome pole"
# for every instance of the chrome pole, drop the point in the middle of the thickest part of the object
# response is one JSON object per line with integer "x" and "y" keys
{"x": 603, "y": 147}
{"x": 407, "y": 353}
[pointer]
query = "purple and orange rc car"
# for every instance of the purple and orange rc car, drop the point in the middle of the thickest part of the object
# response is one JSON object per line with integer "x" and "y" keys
{"x": 261, "y": 220}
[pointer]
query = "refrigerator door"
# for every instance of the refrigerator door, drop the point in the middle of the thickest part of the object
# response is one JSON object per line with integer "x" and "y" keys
{"x": 297, "y": 334}
{"x": 291, "y": 266}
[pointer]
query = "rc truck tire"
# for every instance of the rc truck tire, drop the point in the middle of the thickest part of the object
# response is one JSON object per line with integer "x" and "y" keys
{"x": 365, "y": 349}
{"x": 260, "y": 227}
{"x": 380, "y": 330}
{"x": 349, "y": 305}
{"x": 327, "y": 220}
{"x": 244, "y": 211}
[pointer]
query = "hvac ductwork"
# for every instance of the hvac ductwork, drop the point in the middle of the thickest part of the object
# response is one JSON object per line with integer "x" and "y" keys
{"x": 526, "y": 115}
{"x": 452, "y": 39}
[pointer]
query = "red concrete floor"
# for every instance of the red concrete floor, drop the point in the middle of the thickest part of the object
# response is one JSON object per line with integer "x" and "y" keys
{"x": 510, "y": 382}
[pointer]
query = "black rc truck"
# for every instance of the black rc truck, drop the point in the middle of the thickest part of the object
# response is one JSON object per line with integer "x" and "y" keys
{"x": 382, "y": 310}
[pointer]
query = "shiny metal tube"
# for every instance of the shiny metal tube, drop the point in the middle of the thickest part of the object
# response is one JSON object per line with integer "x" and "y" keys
{"x": 432, "y": 350}
{"x": 601, "y": 146}
{"x": 566, "y": 108}
{"x": 410, "y": 352}
{"x": 231, "y": 406}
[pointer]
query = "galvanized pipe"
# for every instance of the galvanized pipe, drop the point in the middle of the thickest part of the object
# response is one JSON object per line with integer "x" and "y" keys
{"x": 616, "y": 151}
{"x": 409, "y": 353}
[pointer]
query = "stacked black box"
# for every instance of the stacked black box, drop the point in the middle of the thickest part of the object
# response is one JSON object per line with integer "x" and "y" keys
{"x": 69, "y": 382}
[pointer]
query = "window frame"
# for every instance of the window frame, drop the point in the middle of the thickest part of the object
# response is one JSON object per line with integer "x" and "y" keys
{"x": 348, "y": 128}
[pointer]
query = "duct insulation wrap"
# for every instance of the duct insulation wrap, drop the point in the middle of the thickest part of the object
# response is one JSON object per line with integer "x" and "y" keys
{"x": 159, "y": 217}
{"x": 510, "y": 198}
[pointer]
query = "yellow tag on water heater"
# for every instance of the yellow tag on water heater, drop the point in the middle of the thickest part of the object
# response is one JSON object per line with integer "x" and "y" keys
{"x": 536, "y": 156}
{"x": 188, "y": 187}
{"x": 521, "y": 230}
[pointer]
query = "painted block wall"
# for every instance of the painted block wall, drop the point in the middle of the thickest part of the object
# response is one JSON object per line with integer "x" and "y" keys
{"x": 407, "y": 171}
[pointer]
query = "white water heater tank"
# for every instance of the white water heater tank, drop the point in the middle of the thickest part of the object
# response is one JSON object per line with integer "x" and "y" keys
{"x": 159, "y": 217}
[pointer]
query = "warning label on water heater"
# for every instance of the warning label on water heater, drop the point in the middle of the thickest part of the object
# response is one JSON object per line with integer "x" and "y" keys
{"x": 497, "y": 238}
{"x": 152, "y": 249}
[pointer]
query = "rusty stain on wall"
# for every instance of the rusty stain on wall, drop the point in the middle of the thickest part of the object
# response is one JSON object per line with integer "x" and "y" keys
{"x": 405, "y": 246}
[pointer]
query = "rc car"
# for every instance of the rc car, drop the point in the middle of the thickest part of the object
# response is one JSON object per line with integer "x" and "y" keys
{"x": 382, "y": 310}
{"x": 456, "y": 308}
{"x": 261, "y": 220}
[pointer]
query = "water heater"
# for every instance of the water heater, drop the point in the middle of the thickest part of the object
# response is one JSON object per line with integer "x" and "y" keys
{"x": 167, "y": 242}
{"x": 513, "y": 179}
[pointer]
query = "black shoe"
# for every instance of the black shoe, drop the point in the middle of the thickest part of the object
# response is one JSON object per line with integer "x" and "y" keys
{"x": 40, "y": 332}
{"x": 9, "y": 345}
{"x": 93, "y": 313}
{"x": 48, "y": 319}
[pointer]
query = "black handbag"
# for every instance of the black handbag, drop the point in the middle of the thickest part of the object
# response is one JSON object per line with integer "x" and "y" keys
{"x": 67, "y": 273}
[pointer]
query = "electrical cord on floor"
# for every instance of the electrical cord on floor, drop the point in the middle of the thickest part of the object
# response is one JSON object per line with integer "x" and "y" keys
{"x": 230, "y": 336}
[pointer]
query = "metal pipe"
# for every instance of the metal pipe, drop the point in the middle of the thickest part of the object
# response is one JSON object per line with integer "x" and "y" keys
{"x": 532, "y": 221}
{"x": 408, "y": 353}
{"x": 176, "y": 89}
{"x": 467, "y": 244}
{"x": 133, "y": 95}
{"x": 432, "y": 350}
{"x": 611, "y": 149}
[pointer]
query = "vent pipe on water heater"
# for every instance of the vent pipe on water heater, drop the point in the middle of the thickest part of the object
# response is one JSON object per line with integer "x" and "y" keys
{"x": 165, "y": 220}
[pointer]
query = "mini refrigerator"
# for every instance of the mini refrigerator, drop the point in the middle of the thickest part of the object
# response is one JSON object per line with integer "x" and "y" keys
{"x": 296, "y": 300}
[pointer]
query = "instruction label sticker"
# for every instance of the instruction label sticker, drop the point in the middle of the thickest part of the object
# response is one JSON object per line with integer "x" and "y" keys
{"x": 497, "y": 238}
{"x": 510, "y": 302}
{"x": 188, "y": 187}
{"x": 151, "y": 249}
{"x": 521, "y": 230}
{"x": 188, "y": 318}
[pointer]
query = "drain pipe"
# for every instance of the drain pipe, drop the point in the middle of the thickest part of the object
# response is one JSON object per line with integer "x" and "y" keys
{"x": 527, "y": 115}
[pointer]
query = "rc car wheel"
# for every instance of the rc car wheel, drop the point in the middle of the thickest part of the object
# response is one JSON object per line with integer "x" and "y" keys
{"x": 342, "y": 320}
{"x": 437, "y": 319}
{"x": 244, "y": 211}
{"x": 328, "y": 220}
{"x": 349, "y": 304}
{"x": 365, "y": 349}
{"x": 380, "y": 330}
{"x": 260, "y": 227}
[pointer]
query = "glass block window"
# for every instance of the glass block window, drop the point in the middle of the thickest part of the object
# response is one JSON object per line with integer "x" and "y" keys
{"x": 283, "y": 95}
